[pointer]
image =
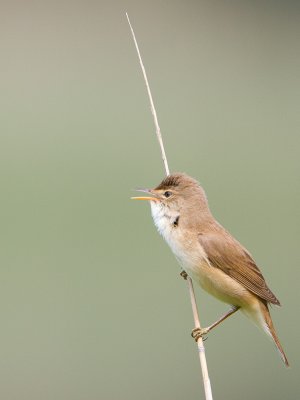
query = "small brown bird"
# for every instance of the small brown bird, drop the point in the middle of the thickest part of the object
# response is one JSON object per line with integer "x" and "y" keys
{"x": 209, "y": 254}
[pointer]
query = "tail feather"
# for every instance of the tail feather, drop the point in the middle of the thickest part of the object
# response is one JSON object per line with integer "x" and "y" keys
{"x": 271, "y": 331}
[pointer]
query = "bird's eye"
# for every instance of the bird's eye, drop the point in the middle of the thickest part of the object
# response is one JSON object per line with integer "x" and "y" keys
{"x": 167, "y": 194}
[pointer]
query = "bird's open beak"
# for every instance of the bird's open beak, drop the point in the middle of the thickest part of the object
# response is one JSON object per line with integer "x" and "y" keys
{"x": 144, "y": 197}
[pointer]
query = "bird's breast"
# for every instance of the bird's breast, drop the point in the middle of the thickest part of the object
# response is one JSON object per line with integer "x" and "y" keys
{"x": 182, "y": 241}
{"x": 193, "y": 259}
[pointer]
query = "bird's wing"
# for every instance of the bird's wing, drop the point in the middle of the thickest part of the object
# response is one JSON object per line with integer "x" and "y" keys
{"x": 232, "y": 258}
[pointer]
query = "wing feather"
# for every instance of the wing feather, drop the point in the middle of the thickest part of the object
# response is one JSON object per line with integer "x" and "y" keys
{"x": 232, "y": 258}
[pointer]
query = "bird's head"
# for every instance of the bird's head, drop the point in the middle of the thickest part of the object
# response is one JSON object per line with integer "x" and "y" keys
{"x": 175, "y": 192}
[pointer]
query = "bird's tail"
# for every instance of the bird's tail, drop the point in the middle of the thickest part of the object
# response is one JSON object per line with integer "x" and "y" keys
{"x": 269, "y": 328}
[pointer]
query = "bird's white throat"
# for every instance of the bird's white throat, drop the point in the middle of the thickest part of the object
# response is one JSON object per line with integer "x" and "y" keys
{"x": 163, "y": 218}
{"x": 167, "y": 222}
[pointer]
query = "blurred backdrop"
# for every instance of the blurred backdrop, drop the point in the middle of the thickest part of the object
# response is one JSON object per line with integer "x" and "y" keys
{"x": 91, "y": 302}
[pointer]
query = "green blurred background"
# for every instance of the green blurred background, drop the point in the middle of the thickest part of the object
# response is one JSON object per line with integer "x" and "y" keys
{"x": 91, "y": 302}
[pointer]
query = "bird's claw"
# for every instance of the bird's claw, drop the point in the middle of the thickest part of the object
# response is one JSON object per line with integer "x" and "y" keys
{"x": 184, "y": 274}
{"x": 198, "y": 333}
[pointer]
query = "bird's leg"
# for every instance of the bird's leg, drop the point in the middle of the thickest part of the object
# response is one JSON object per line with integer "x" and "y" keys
{"x": 232, "y": 310}
{"x": 200, "y": 332}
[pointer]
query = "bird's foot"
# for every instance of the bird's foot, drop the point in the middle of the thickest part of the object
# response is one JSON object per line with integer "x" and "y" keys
{"x": 184, "y": 274}
{"x": 198, "y": 333}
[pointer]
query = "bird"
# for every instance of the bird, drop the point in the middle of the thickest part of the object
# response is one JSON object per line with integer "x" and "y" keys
{"x": 208, "y": 253}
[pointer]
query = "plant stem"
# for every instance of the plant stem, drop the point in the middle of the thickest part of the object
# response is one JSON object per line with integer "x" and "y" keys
{"x": 200, "y": 344}
{"x": 157, "y": 128}
{"x": 201, "y": 349}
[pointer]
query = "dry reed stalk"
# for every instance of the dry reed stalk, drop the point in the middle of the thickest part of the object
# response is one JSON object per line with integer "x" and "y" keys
{"x": 201, "y": 348}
